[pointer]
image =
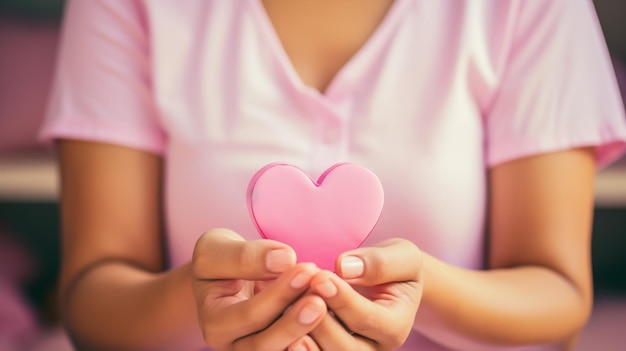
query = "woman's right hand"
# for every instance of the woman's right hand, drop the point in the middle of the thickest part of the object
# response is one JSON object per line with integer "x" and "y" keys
{"x": 233, "y": 313}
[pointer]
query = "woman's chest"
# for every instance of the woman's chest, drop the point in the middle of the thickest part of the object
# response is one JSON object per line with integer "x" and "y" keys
{"x": 225, "y": 83}
{"x": 320, "y": 37}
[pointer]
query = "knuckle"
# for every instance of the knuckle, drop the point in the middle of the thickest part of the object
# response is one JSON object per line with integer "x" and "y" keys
{"x": 202, "y": 253}
{"x": 211, "y": 337}
{"x": 394, "y": 342}
{"x": 255, "y": 342}
{"x": 375, "y": 265}
{"x": 246, "y": 255}
{"x": 199, "y": 269}
{"x": 395, "y": 335}
{"x": 294, "y": 333}
{"x": 387, "y": 336}
{"x": 254, "y": 318}
{"x": 198, "y": 250}
{"x": 368, "y": 325}
{"x": 212, "y": 333}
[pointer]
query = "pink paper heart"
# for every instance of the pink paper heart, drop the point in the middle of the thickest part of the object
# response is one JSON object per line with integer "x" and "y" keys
{"x": 319, "y": 220}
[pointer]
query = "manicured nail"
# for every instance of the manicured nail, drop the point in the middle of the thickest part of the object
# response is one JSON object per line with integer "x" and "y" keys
{"x": 352, "y": 267}
{"x": 300, "y": 280}
{"x": 327, "y": 289}
{"x": 299, "y": 347}
{"x": 278, "y": 261}
{"x": 309, "y": 314}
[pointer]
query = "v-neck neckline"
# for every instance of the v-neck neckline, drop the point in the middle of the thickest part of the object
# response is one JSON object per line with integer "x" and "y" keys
{"x": 339, "y": 82}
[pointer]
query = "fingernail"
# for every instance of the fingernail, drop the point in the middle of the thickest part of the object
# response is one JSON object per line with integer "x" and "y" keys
{"x": 309, "y": 314}
{"x": 300, "y": 280}
{"x": 352, "y": 267}
{"x": 327, "y": 289}
{"x": 278, "y": 261}
{"x": 299, "y": 347}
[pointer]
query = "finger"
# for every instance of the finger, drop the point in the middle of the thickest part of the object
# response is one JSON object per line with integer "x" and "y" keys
{"x": 224, "y": 254}
{"x": 295, "y": 323}
{"x": 330, "y": 334}
{"x": 260, "y": 285}
{"x": 359, "y": 314}
{"x": 306, "y": 343}
{"x": 393, "y": 260}
{"x": 226, "y": 318}
{"x": 387, "y": 319}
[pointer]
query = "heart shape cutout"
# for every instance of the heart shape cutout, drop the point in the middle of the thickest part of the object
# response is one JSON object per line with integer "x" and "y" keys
{"x": 318, "y": 219}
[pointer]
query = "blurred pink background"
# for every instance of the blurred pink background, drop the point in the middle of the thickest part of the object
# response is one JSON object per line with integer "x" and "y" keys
{"x": 26, "y": 66}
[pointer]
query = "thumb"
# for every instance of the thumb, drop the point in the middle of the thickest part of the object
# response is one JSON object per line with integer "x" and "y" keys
{"x": 224, "y": 254}
{"x": 393, "y": 260}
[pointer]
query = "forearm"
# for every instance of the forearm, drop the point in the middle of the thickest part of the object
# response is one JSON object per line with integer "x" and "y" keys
{"x": 517, "y": 306}
{"x": 121, "y": 307}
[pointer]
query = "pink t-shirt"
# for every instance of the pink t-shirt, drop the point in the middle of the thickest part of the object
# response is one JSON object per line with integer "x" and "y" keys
{"x": 440, "y": 92}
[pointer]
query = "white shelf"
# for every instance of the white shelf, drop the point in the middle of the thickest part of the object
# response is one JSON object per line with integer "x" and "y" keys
{"x": 610, "y": 187}
{"x": 35, "y": 178}
{"x": 32, "y": 178}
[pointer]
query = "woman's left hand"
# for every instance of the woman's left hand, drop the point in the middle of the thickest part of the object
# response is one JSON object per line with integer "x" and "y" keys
{"x": 380, "y": 315}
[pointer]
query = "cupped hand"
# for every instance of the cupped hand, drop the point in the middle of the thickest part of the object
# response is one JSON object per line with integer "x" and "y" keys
{"x": 233, "y": 315}
{"x": 373, "y": 298}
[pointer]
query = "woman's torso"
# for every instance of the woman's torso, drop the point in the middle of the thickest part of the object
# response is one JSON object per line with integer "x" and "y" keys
{"x": 402, "y": 95}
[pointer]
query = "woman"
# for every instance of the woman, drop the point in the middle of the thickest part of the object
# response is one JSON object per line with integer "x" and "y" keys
{"x": 485, "y": 122}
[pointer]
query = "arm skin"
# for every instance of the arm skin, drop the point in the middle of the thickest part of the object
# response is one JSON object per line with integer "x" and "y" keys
{"x": 538, "y": 288}
{"x": 112, "y": 294}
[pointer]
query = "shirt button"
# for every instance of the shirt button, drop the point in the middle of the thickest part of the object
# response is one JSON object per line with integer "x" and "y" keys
{"x": 331, "y": 136}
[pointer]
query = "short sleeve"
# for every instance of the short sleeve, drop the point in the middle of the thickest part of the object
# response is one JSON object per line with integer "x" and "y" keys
{"x": 558, "y": 89}
{"x": 102, "y": 86}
